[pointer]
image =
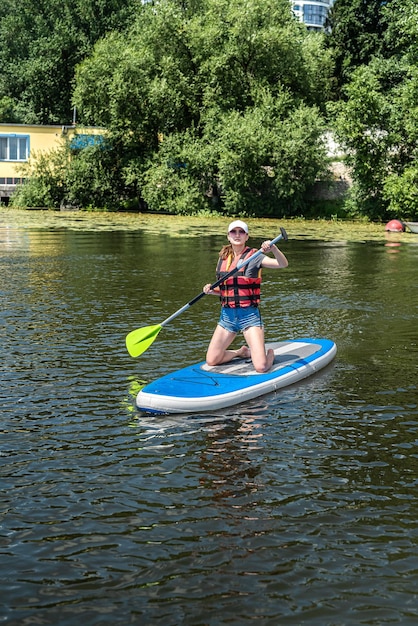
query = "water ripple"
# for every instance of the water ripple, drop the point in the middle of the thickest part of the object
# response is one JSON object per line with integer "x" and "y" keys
{"x": 296, "y": 508}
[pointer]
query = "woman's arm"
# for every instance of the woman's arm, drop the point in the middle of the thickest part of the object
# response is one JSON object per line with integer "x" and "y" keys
{"x": 279, "y": 260}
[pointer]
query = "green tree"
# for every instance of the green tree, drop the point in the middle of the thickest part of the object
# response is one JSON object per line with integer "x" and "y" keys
{"x": 41, "y": 42}
{"x": 212, "y": 78}
{"x": 357, "y": 34}
{"x": 246, "y": 170}
{"x": 45, "y": 175}
{"x": 376, "y": 121}
{"x": 87, "y": 177}
{"x": 377, "y": 126}
{"x": 400, "y": 187}
{"x": 400, "y": 37}
{"x": 7, "y": 110}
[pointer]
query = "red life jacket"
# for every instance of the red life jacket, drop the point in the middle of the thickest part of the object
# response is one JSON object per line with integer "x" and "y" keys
{"x": 243, "y": 288}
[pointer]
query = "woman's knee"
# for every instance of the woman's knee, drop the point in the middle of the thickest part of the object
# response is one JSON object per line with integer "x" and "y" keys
{"x": 260, "y": 367}
{"x": 211, "y": 360}
{"x": 264, "y": 363}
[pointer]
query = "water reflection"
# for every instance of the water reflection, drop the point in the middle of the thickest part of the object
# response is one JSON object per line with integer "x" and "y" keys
{"x": 229, "y": 470}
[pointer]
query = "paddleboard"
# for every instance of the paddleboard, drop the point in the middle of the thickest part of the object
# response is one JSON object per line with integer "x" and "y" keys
{"x": 200, "y": 387}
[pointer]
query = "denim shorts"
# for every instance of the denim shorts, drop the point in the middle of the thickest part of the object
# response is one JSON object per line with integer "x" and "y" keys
{"x": 239, "y": 319}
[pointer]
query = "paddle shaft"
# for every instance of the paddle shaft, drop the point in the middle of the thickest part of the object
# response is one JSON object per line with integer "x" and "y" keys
{"x": 224, "y": 278}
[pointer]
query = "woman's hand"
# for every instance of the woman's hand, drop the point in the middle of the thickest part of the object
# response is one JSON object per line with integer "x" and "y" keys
{"x": 212, "y": 292}
{"x": 279, "y": 260}
{"x": 266, "y": 246}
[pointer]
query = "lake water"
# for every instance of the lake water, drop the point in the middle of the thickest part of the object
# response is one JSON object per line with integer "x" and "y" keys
{"x": 299, "y": 507}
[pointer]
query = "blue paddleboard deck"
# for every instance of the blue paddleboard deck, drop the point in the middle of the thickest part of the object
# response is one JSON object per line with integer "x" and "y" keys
{"x": 200, "y": 387}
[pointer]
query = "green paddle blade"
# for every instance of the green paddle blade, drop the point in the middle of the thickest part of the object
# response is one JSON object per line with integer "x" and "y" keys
{"x": 140, "y": 339}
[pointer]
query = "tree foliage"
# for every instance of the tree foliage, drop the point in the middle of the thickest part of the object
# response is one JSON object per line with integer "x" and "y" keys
{"x": 45, "y": 180}
{"x": 87, "y": 178}
{"x": 41, "y": 43}
{"x": 227, "y": 79}
{"x": 216, "y": 105}
{"x": 357, "y": 34}
{"x": 261, "y": 163}
{"x": 376, "y": 121}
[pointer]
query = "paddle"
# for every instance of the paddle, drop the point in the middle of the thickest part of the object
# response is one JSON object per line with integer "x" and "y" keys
{"x": 140, "y": 339}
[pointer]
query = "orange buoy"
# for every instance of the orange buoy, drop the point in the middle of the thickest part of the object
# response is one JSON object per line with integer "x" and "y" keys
{"x": 395, "y": 226}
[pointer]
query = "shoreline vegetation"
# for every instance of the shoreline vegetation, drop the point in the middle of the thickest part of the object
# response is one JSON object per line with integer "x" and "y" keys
{"x": 333, "y": 230}
{"x": 215, "y": 107}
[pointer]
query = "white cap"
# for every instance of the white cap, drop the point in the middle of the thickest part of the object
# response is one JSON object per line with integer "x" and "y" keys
{"x": 238, "y": 224}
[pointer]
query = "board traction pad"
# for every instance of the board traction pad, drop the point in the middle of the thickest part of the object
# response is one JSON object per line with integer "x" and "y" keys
{"x": 284, "y": 354}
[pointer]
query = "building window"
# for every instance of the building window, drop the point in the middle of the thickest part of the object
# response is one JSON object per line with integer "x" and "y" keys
{"x": 314, "y": 14}
{"x": 14, "y": 147}
{"x": 11, "y": 181}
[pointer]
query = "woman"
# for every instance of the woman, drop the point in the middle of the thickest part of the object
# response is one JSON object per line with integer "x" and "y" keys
{"x": 240, "y": 297}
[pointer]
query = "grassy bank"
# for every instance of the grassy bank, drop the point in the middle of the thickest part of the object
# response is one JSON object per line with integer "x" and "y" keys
{"x": 179, "y": 226}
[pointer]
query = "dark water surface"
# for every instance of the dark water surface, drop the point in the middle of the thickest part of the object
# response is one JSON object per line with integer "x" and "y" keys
{"x": 297, "y": 508}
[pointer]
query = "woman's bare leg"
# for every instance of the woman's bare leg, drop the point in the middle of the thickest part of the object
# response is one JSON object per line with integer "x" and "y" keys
{"x": 218, "y": 348}
{"x": 262, "y": 361}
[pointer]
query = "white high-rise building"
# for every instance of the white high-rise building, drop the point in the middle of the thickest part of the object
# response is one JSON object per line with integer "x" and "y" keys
{"x": 313, "y": 13}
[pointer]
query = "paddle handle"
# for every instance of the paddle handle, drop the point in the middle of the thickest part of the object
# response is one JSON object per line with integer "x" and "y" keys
{"x": 283, "y": 235}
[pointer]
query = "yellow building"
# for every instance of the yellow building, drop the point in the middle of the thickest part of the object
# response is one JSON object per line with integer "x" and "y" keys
{"x": 19, "y": 141}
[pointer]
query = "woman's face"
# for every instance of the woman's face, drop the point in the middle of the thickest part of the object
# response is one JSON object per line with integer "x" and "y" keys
{"x": 237, "y": 236}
